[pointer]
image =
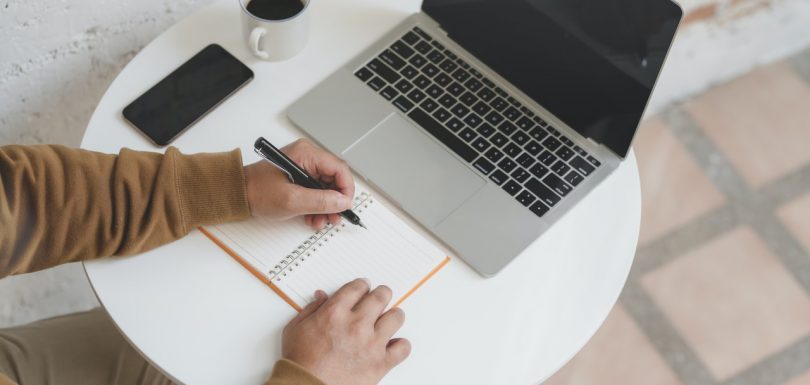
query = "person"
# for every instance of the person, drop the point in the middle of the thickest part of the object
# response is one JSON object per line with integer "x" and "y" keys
{"x": 60, "y": 205}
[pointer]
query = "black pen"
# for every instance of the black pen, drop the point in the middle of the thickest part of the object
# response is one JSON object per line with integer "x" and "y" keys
{"x": 295, "y": 173}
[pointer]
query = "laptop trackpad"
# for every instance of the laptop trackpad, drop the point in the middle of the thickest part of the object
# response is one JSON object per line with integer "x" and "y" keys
{"x": 414, "y": 170}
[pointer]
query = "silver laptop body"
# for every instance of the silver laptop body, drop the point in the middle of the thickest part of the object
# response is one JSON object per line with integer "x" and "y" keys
{"x": 452, "y": 192}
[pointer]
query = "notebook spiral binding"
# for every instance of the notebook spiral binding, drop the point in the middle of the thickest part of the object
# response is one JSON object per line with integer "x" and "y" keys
{"x": 294, "y": 259}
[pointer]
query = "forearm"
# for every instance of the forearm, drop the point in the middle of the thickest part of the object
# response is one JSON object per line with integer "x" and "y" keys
{"x": 61, "y": 205}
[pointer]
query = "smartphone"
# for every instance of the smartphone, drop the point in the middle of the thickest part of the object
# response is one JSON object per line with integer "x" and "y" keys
{"x": 187, "y": 94}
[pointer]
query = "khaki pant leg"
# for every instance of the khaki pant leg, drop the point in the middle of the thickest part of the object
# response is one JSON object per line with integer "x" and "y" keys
{"x": 82, "y": 348}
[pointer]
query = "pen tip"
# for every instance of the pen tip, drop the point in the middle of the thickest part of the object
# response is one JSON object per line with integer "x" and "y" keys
{"x": 362, "y": 225}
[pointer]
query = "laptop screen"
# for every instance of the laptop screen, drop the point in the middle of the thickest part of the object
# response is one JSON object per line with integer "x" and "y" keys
{"x": 592, "y": 63}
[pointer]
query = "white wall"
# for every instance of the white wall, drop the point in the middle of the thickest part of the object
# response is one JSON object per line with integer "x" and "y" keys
{"x": 58, "y": 56}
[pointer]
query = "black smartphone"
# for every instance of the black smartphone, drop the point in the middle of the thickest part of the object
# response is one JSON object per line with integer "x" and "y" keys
{"x": 187, "y": 94}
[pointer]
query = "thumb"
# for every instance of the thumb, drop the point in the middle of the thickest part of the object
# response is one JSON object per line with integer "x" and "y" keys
{"x": 313, "y": 201}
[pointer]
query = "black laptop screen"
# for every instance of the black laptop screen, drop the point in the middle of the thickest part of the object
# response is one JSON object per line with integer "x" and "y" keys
{"x": 592, "y": 63}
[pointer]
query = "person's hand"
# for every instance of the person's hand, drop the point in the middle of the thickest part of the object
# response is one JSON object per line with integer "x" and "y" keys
{"x": 272, "y": 195}
{"x": 346, "y": 339}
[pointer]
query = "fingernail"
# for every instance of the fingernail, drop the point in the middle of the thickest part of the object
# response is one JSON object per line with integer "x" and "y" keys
{"x": 368, "y": 281}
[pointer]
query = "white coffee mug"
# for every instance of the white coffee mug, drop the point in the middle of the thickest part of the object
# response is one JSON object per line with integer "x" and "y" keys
{"x": 275, "y": 40}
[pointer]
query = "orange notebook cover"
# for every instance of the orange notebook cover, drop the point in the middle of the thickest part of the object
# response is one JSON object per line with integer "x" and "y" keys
{"x": 294, "y": 261}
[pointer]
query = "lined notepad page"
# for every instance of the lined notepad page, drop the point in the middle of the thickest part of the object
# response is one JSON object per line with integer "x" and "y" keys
{"x": 299, "y": 261}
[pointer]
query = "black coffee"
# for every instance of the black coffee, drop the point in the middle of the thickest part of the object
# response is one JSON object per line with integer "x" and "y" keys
{"x": 275, "y": 9}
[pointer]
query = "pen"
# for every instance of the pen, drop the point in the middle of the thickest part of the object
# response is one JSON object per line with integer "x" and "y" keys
{"x": 295, "y": 173}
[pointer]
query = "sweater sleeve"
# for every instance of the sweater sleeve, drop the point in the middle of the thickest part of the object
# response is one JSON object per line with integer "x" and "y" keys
{"x": 61, "y": 205}
{"x": 286, "y": 372}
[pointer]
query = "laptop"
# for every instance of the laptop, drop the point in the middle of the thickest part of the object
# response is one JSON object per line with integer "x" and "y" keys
{"x": 488, "y": 120}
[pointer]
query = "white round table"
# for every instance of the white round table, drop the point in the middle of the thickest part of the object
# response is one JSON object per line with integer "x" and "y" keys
{"x": 203, "y": 319}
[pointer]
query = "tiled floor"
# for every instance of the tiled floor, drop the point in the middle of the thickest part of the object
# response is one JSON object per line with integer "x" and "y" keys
{"x": 720, "y": 291}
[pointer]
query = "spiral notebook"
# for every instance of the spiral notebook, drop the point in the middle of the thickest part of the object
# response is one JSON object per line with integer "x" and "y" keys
{"x": 295, "y": 260}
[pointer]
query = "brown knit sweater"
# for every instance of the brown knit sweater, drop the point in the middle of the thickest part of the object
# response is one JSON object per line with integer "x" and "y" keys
{"x": 61, "y": 205}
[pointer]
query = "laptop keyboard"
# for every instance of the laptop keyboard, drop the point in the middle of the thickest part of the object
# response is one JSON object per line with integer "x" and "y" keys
{"x": 478, "y": 120}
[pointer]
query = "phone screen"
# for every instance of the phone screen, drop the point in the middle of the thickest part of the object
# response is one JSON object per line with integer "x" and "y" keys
{"x": 187, "y": 94}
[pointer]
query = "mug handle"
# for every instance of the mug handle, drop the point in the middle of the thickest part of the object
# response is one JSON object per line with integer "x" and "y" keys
{"x": 255, "y": 37}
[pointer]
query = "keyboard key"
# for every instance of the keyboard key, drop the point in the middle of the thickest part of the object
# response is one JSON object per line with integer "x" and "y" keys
{"x": 580, "y": 151}
{"x": 434, "y": 91}
{"x": 540, "y": 121}
{"x": 499, "y": 140}
{"x": 485, "y": 130}
{"x": 473, "y": 120}
{"x": 525, "y": 123}
{"x": 486, "y": 94}
{"x": 507, "y": 164}
{"x": 455, "y": 89}
{"x": 582, "y": 166}
{"x": 507, "y": 127}
{"x": 403, "y": 104}
{"x": 538, "y": 133}
{"x": 566, "y": 141}
{"x": 410, "y": 38}
{"x": 461, "y": 75}
{"x": 409, "y": 72}
{"x": 512, "y": 113}
{"x": 448, "y": 65}
{"x": 430, "y": 70}
{"x": 475, "y": 73}
{"x": 435, "y": 56}
{"x": 521, "y": 138}
{"x": 494, "y": 118}
{"x": 593, "y": 161}
{"x": 573, "y": 178}
{"x": 525, "y": 198}
{"x": 459, "y": 110}
{"x": 417, "y": 61}
{"x": 454, "y": 124}
{"x": 494, "y": 155}
{"x": 482, "y": 145}
{"x": 560, "y": 167}
{"x": 390, "y": 58}
{"x": 468, "y": 135}
{"x": 462, "y": 63}
{"x": 499, "y": 104}
{"x": 551, "y": 143}
{"x": 539, "y": 209}
{"x": 403, "y": 86}
{"x": 447, "y": 100}
{"x": 544, "y": 193}
{"x": 487, "y": 82}
{"x": 443, "y": 79}
{"x": 547, "y": 158}
{"x": 512, "y": 150}
{"x": 473, "y": 85}
{"x": 437, "y": 45}
{"x": 565, "y": 153}
{"x": 498, "y": 177}
{"x": 417, "y": 96}
{"x": 511, "y": 187}
{"x": 500, "y": 92}
{"x": 389, "y": 93}
{"x": 423, "y": 47}
{"x": 441, "y": 115}
{"x": 402, "y": 49}
{"x": 513, "y": 101}
{"x": 450, "y": 54}
{"x": 538, "y": 170}
{"x": 468, "y": 99}
{"x": 558, "y": 185}
{"x": 533, "y": 148}
{"x": 525, "y": 160}
{"x": 422, "y": 33}
{"x": 377, "y": 83}
{"x": 520, "y": 175}
{"x": 482, "y": 108}
{"x": 422, "y": 81}
{"x": 443, "y": 135}
{"x": 364, "y": 74}
{"x": 484, "y": 166}
{"x": 384, "y": 71}
{"x": 429, "y": 105}
{"x": 553, "y": 131}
